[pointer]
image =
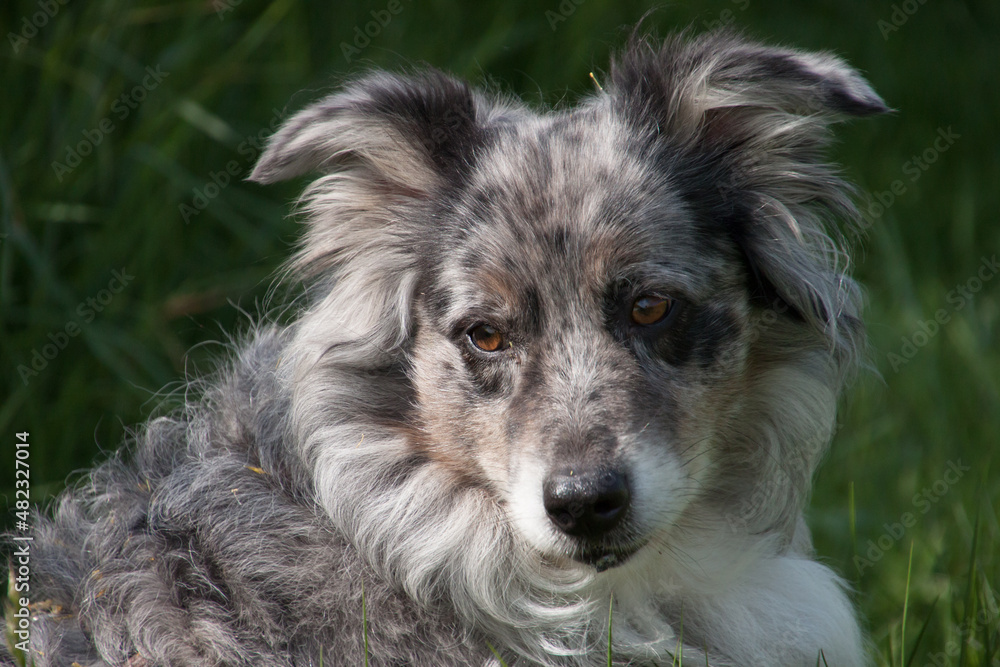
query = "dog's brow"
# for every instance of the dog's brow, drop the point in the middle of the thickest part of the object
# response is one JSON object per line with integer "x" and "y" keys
{"x": 661, "y": 277}
{"x": 520, "y": 309}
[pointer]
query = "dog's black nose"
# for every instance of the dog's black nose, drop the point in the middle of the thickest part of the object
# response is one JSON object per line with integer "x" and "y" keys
{"x": 586, "y": 502}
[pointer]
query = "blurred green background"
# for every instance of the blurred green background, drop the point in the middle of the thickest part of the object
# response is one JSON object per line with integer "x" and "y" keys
{"x": 116, "y": 115}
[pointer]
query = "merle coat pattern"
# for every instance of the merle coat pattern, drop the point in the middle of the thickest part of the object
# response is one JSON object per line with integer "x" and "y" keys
{"x": 636, "y": 306}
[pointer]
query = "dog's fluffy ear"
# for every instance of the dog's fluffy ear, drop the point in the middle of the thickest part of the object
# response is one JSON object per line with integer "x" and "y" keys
{"x": 691, "y": 85}
{"x": 754, "y": 120}
{"x": 409, "y": 133}
{"x": 383, "y": 142}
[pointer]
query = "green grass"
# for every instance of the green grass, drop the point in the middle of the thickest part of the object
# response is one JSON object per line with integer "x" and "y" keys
{"x": 496, "y": 654}
{"x": 611, "y": 615}
{"x": 902, "y": 429}
{"x": 906, "y": 602}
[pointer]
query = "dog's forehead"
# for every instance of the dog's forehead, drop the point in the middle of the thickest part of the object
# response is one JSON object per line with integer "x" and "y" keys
{"x": 576, "y": 199}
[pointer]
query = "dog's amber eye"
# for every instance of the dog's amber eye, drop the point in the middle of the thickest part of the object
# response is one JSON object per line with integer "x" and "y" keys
{"x": 649, "y": 310}
{"x": 486, "y": 338}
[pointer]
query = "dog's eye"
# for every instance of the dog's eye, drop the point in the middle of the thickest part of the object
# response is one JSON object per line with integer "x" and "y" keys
{"x": 486, "y": 338}
{"x": 648, "y": 310}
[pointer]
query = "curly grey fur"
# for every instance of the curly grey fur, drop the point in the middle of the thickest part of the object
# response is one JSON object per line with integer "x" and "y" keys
{"x": 357, "y": 449}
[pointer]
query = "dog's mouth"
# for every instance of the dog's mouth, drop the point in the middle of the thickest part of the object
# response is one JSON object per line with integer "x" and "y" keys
{"x": 602, "y": 559}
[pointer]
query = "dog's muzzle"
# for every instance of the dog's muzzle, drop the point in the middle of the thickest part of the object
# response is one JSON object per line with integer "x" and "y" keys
{"x": 587, "y": 503}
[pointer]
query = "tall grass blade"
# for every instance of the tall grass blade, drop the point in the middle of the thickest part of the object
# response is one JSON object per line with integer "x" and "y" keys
{"x": 906, "y": 604}
{"x": 852, "y": 518}
{"x": 497, "y": 654}
{"x": 970, "y": 591}
{"x": 611, "y": 608}
{"x": 923, "y": 629}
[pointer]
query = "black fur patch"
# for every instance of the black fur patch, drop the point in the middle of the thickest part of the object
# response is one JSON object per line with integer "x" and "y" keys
{"x": 710, "y": 331}
{"x": 558, "y": 240}
{"x": 438, "y": 111}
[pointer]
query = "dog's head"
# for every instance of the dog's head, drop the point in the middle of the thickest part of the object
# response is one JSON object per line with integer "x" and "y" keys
{"x": 619, "y": 320}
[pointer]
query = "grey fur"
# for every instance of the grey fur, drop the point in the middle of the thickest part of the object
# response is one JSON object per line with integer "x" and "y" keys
{"x": 369, "y": 445}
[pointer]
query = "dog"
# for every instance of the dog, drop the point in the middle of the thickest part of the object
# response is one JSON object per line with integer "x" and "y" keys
{"x": 552, "y": 394}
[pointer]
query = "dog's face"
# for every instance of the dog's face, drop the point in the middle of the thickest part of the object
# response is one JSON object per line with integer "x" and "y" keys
{"x": 580, "y": 334}
{"x": 609, "y": 318}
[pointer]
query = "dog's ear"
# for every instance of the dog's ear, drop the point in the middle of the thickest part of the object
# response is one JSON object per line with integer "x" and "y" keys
{"x": 383, "y": 143}
{"x": 752, "y": 123}
{"x": 408, "y": 133}
{"x": 718, "y": 83}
